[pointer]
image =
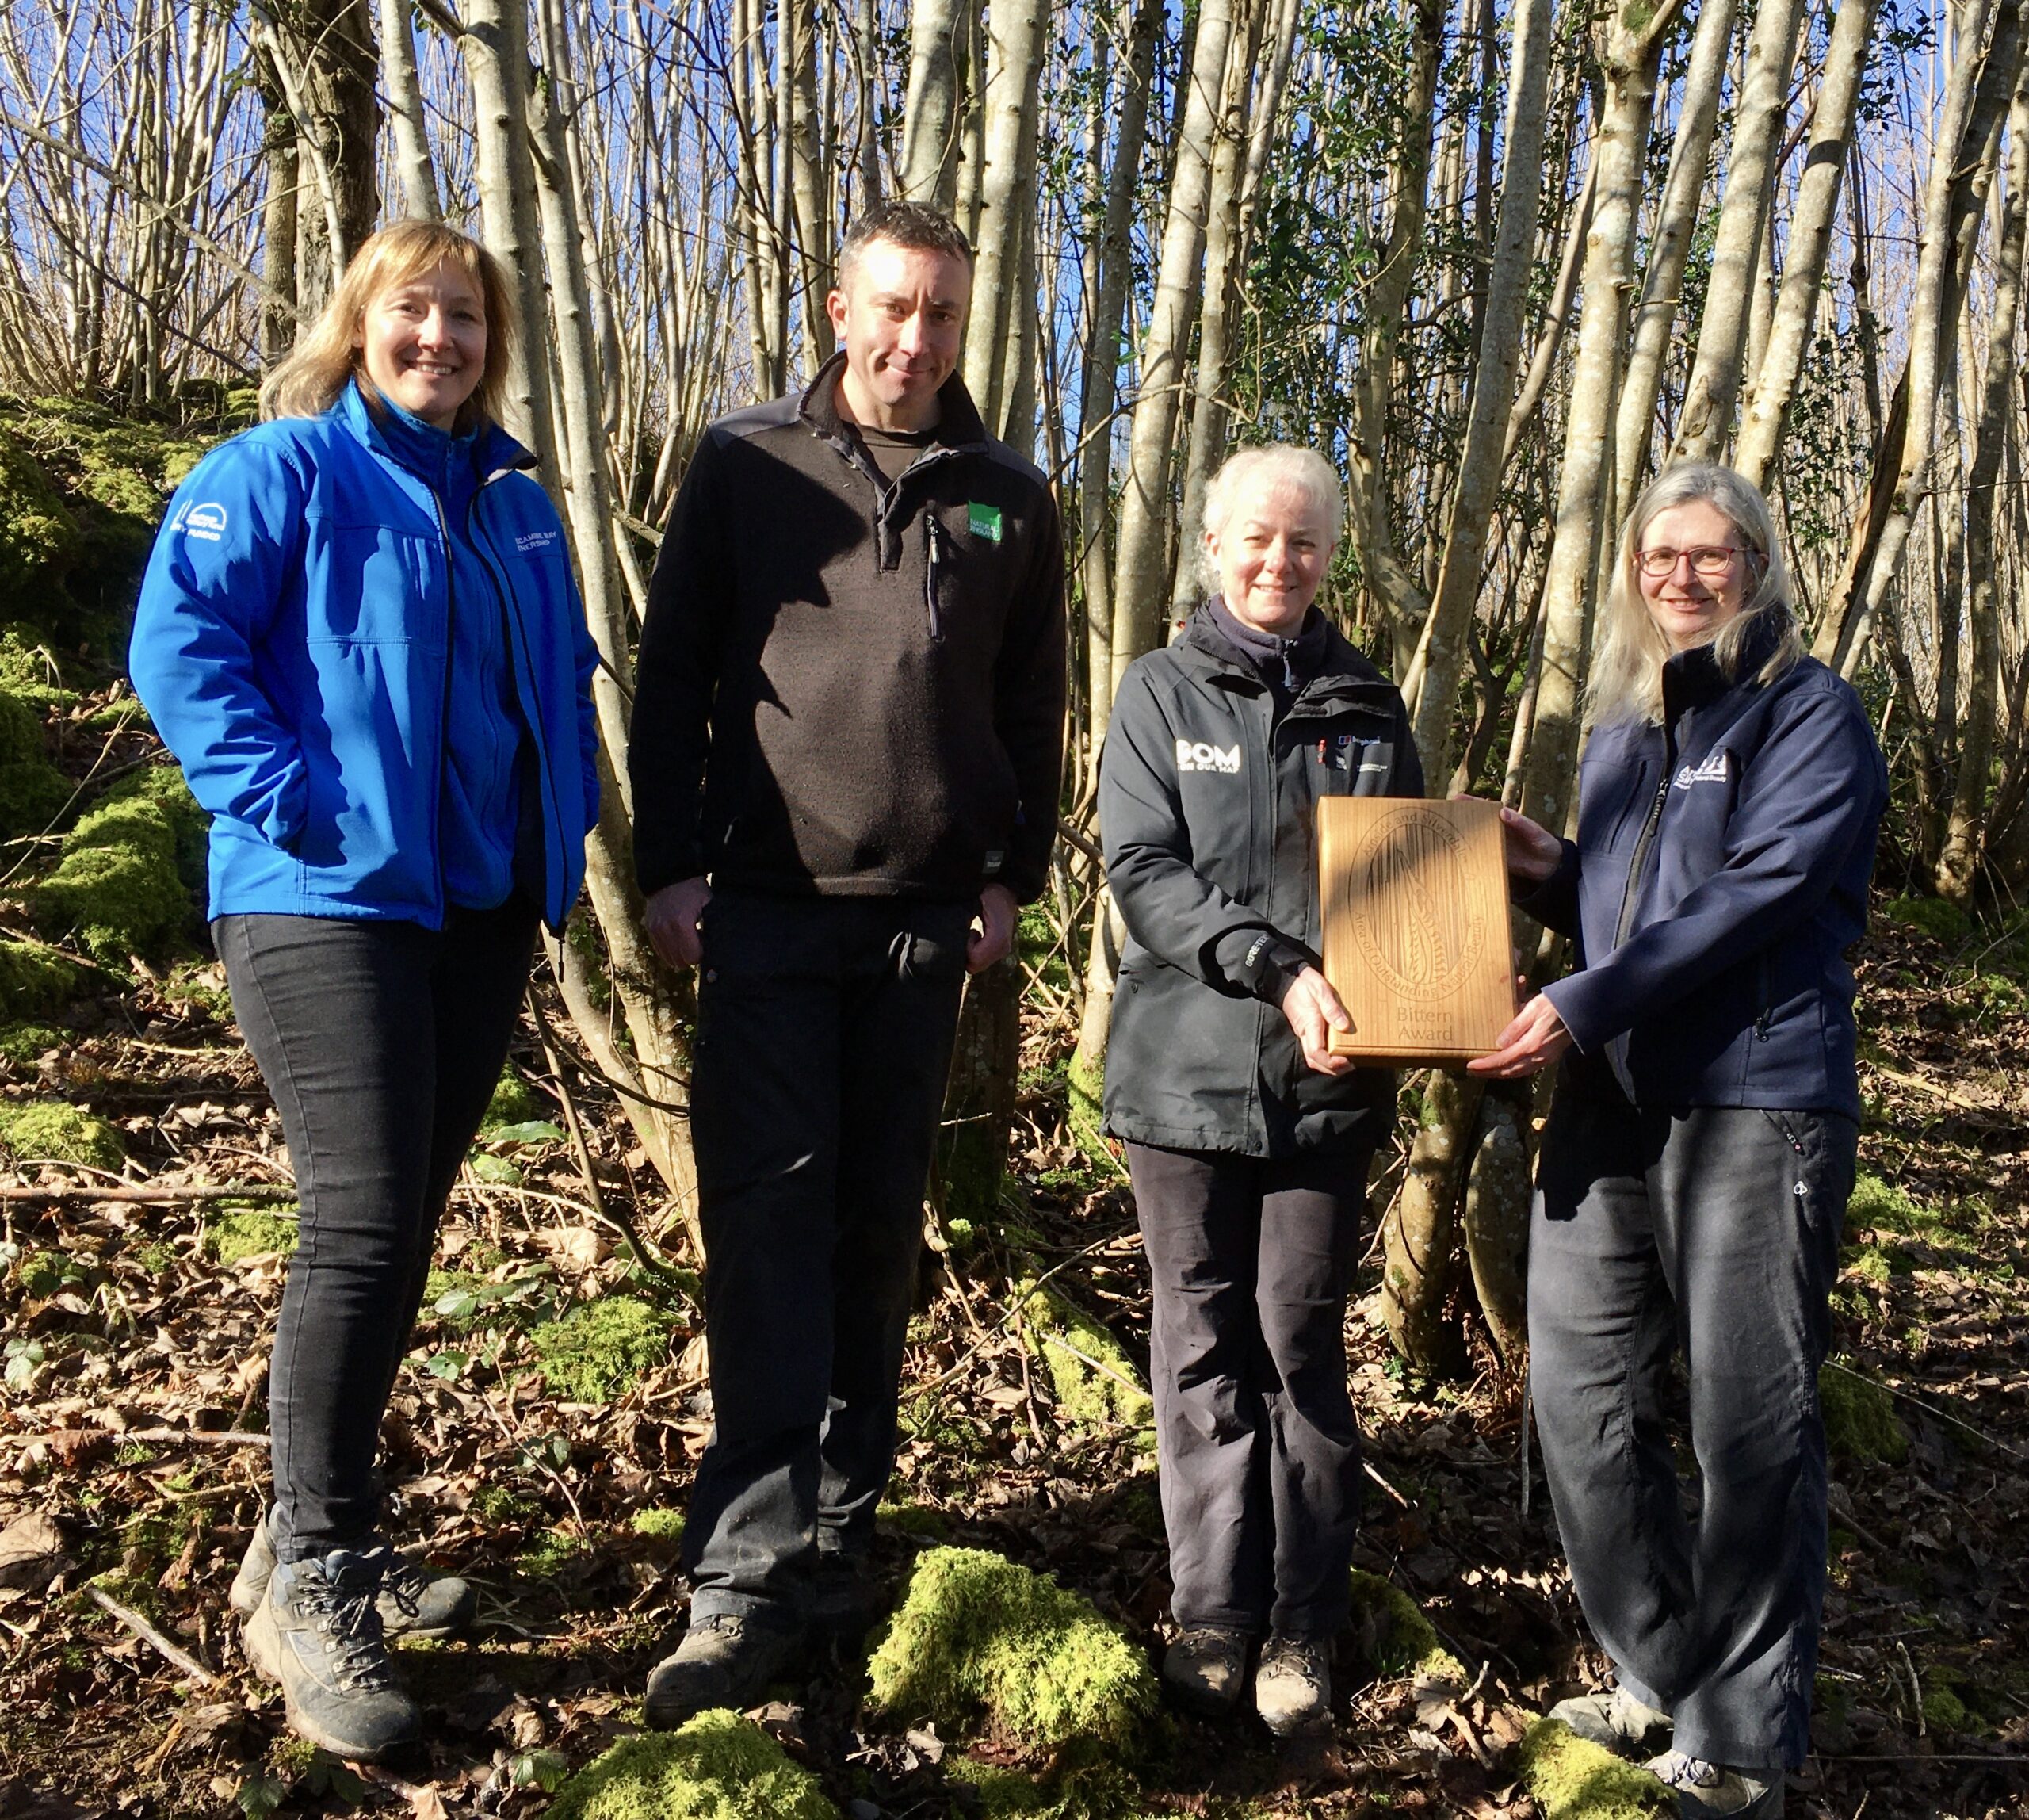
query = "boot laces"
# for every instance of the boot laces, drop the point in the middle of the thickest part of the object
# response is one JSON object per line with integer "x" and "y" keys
{"x": 340, "y": 1607}
{"x": 405, "y": 1584}
{"x": 1679, "y": 1770}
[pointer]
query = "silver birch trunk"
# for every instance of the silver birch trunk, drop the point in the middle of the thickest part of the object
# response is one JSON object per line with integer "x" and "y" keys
{"x": 1707, "y": 423}
{"x": 929, "y": 119}
{"x": 1140, "y": 569}
{"x": 810, "y": 181}
{"x": 1669, "y": 246}
{"x": 1809, "y": 240}
{"x": 1432, "y": 685}
{"x": 397, "y": 73}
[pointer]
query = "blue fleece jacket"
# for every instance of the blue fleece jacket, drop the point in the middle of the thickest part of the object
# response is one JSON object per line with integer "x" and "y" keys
{"x": 1719, "y": 876}
{"x": 294, "y": 644}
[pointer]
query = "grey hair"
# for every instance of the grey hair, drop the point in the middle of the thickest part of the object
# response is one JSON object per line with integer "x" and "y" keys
{"x": 1275, "y": 462}
{"x": 1626, "y": 678}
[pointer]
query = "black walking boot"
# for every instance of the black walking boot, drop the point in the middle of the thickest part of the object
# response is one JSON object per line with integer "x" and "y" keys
{"x": 412, "y": 1603}
{"x": 318, "y": 1634}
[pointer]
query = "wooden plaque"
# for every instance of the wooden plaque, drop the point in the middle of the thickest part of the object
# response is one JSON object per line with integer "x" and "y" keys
{"x": 1414, "y": 893}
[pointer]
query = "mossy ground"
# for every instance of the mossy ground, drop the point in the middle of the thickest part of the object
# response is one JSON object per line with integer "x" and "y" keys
{"x": 36, "y": 980}
{"x": 1094, "y": 1379}
{"x": 48, "y": 1131}
{"x": 979, "y": 1636}
{"x": 236, "y": 1234}
{"x": 1572, "y": 1779}
{"x": 22, "y": 1045}
{"x": 132, "y": 870}
{"x": 1860, "y": 1423}
{"x": 1398, "y": 1638}
{"x": 718, "y": 1766}
{"x": 597, "y": 1350}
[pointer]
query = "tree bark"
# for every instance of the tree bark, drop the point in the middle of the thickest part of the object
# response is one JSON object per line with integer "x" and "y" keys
{"x": 1419, "y": 1233}
{"x": 412, "y": 159}
{"x": 1496, "y": 1226}
{"x": 1707, "y": 423}
{"x": 929, "y": 118}
{"x": 1809, "y": 240}
{"x": 1677, "y": 218}
{"x": 278, "y": 217}
{"x": 1431, "y": 685}
{"x": 1141, "y": 572}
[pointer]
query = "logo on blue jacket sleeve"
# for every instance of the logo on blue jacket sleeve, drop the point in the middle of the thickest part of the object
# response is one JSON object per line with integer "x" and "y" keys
{"x": 206, "y": 522}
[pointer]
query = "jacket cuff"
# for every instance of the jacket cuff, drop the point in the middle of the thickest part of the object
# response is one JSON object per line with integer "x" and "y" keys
{"x": 666, "y": 866}
{"x": 1552, "y": 891}
{"x": 1573, "y": 998}
{"x": 1260, "y": 963}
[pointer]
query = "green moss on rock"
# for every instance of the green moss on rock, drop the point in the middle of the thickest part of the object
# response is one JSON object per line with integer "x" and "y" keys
{"x": 718, "y": 1766}
{"x": 40, "y": 541}
{"x": 32, "y": 791}
{"x": 1877, "y": 1203}
{"x": 1094, "y": 1381}
{"x": 36, "y": 980}
{"x": 923, "y": 1520}
{"x": 131, "y": 869}
{"x": 597, "y": 1350}
{"x": 1572, "y": 1779}
{"x": 1941, "y": 920}
{"x": 234, "y": 1234}
{"x": 514, "y": 1101}
{"x": 1859, "y": 1418}
{"x": 977, "y": 1634}
{"x": 658, "y": 1525}
{"x": 48, "y": 1130}
{"x": 1397, "y": 1637}
{"x": 22, "y": 1045}
{"x": 1081, "y": 1791}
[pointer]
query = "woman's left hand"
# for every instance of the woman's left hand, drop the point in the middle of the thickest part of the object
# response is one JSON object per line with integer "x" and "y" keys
{"x": 1314, "y": 1011}
{"x": 1534, "y": 1040}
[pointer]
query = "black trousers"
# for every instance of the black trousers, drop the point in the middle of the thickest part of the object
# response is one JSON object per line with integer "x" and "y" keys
{"x": 1714, "y": 1231}
{"x": 381, "y": 1043}
{"x": 1252, "y": 1260}
{"x": 824, "y": 1033}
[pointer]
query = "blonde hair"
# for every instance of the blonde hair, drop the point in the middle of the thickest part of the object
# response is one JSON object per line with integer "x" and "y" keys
{"x": 308, "y": 383}
{"x": 1277, "y": 462}
{"x": 1626, "y": 678}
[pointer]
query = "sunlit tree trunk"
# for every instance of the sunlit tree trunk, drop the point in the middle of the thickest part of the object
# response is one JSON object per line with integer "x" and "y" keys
{"x": 1007, "y": 202}
{"x": 411, "y": 131}
{"x": 930, "y": 122}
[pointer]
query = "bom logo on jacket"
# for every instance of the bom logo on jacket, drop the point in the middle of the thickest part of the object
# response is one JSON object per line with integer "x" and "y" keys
{"x": 207, "y": 521}
{"x": 1201, "y": 755}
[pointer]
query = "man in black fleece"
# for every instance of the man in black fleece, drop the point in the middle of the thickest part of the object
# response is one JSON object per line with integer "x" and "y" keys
{"x": 846, "y": 749}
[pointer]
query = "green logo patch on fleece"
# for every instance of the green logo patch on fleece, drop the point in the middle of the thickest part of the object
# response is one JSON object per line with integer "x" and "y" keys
{"x": 985, "y": 521}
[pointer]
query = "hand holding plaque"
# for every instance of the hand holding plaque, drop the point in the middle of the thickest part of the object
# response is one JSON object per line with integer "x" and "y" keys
{"x": 1414, "y": 894}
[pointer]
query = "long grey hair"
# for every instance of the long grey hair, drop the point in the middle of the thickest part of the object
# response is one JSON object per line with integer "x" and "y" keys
{"x": 1626, "y": 680}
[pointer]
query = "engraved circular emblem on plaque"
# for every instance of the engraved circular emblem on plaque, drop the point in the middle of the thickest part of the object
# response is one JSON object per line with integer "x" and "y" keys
{"x": 1414, "y": 921}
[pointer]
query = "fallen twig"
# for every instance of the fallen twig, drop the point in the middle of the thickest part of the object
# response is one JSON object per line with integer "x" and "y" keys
{"x": 154, "y": 1197}
{"x": 174, "y": 1653}
{"x": 193, "y": 1437}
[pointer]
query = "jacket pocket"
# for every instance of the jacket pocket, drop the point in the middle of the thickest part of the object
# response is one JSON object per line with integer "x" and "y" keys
{"x": 371, "y": 584}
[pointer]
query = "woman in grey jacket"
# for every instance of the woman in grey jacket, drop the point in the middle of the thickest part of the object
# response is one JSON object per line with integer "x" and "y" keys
{"x": 1248, "y": 1141}
{"x": 1698, "y": 1156}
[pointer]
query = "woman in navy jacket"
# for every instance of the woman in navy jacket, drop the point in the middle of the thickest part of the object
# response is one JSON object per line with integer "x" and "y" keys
{"x": 1701, "y": 1147}
{"x": 360, "y": 635}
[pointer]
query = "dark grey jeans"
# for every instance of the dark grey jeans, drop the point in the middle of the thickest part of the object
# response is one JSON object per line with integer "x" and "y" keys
{"x": 1715, "y": 1231}
{"x": 824, "y": 1032}
{"x": 1250, "y": 1260}
{"x": 381, "y": 1043}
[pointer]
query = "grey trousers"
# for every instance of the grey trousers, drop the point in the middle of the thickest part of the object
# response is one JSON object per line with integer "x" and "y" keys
{"x": 824, "y": 1033}
{"x": 1251, "y": 1260}
{"x": 1714, "y": 1231}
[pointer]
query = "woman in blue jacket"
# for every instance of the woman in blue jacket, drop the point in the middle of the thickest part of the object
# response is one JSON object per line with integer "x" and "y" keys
{"x": 360, "y": 635}
{"x": 1701, "y": 1147}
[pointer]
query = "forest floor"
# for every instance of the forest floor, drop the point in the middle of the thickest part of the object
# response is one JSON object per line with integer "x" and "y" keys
{"x": 546, "y": 1425}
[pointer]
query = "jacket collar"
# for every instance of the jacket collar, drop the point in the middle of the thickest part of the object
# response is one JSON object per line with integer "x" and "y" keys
{"x": 959, "y": 425}
{"x": 1342, "y": 670}
{"x": 1694, "y": 678}
{"x": 421, "y": 450}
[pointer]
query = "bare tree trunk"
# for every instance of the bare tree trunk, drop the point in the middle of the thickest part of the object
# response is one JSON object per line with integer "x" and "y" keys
{"x": 1669, "y": 246}
{"x": 930, "y": 121}
{"x": 1496, "y": 1225}
{"x": 1959, "y": 862}
{"x": 1007, "y": 206}
{"x": 1141, "y": 572}
{"x": 1390, "y": 585}
{"x": 1977, "y": 98}
{"x": 1431, "y": 685}
{"x": 412, "y": 157}
{"x": 1100, "y": 381}
{"x": 810, "y": 183}
{"x": 1419, "y": 1233}
{"x": 278, "y": 218}
{"x": 1707, "y": 424}
{"x": 1542, "y": 362}
{"x": 1809, "y": 240}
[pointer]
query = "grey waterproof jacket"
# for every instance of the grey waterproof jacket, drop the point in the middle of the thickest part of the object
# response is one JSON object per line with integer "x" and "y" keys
{"x": 1207, "y": 796}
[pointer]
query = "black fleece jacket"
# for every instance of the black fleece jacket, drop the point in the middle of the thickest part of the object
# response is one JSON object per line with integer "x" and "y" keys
{"x": 849, "y": 687}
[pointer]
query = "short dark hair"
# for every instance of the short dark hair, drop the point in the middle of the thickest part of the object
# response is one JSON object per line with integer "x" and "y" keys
{"x": 902, "y": 223}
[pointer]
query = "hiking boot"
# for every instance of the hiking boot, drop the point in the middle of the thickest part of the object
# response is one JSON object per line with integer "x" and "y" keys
{"x": 1206, "y": 1668}
{"x": 412, "y": 1602}
{"x": 845, "y": 1599}
{"x": 724, "y": 1660}
{"x": 1293, "y": 1684}
{"x": 318, "y": 1633}
{"x": 1711, "y": 1791}
{"x": 1614, "y": 1719}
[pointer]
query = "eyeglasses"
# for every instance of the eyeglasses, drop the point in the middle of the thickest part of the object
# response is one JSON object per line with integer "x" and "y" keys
{"x": 1708, "y": 561}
